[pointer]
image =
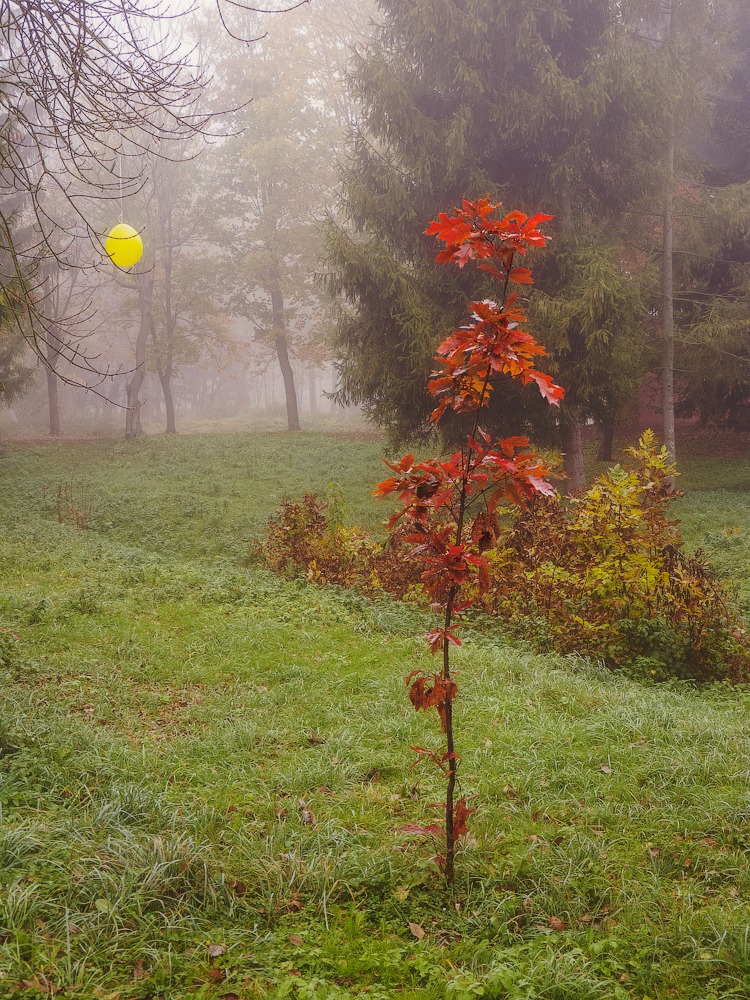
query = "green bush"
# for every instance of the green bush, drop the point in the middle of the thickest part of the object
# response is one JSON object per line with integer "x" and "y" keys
{"x": 607, "y": 572}
{"x": 603, "y": 574}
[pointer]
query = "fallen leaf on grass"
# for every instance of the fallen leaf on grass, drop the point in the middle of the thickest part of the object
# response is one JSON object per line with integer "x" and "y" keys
{"x": 448, "y": 937}
{"x": 556, "y": 924}
{"x": 139, "y": 972}
{"x": 41, "y": 984}
{"x": 416, "y": 930}
{"x": 291, "y": 905}
{"x": 296, "y": 940}
{"x": 216, "y": 950}
{"x": 431, "y": 830}
{"x": 605, "y": 769}
{"x": 306, "y": 814}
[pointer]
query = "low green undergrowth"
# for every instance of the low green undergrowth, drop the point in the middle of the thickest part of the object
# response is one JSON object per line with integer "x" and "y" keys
{"x": 204, "y": 773}
{"x": 603, "y": 574}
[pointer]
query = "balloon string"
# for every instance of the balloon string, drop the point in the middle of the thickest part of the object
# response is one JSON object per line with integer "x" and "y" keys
{"x": 120, "y": 172}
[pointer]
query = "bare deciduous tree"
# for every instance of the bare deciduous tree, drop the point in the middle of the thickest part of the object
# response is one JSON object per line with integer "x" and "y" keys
{"x": 86, "y": 88}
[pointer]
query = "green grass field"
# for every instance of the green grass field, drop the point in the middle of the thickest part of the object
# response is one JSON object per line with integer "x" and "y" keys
{"x": 204, "y": 769}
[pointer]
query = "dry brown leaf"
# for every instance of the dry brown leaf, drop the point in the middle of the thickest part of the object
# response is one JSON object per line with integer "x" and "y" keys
{"x": 37, "y": 984}
{"x": 605, "y": 769}
{"x": 216, "y": 950}
{"x": 556, "y": 924}
{"x": 139, "y": 972}
{"x": 416, "y": 930}
{"x": 296, "y": 940}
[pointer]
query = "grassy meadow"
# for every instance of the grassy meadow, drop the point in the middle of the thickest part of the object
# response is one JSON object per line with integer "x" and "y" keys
{"x": 204, "y": 769}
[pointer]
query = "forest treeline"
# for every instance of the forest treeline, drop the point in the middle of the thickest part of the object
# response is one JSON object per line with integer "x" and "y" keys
{"x": 283, "y": 186}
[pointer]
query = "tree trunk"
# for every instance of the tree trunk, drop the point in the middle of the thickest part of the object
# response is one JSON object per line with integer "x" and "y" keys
{"x": 133, "y": 426}
{"x": 166, "y": 388}
{"x": 313, "y": 390}
{"x": 573, "y": 451}
{"x": 667, "y": 275}
{"x": 282, "y": 352}
{"x": 334, "y": 405}
{"x": 607, "y": 440}
{"x": 165, "y": 365}
{"x": 53, "y": 351}
{"x": 164, "y": 371}
{"x": 667, "y": 288}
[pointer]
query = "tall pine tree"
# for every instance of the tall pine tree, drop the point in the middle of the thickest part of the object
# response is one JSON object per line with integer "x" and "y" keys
{"x": 545, "y": 106}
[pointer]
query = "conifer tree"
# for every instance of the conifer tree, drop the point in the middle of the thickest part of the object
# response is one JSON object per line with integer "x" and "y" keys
{"x": 546, "y": 106}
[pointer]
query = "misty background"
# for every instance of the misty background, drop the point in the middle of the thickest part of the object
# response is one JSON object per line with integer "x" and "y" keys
{"x": 282, "y": 171}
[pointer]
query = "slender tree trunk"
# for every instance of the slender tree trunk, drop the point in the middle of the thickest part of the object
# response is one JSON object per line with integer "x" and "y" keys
{"x": 166, "y": 387}
{"x": 53, "y": 351}
{"x": 667, "y": 275}
{"x": 313, "y": 390}
{"x": 334, "y": 404}
{"x": 164, "y": 371}
{"x": 450, "y": 789}
{"x": 607, "y": 440}
{"x": 667, "y": 288}
{"x": 573, "y": 449}
{"x": 165, "y": 366}
{"x": 145, "y": 286}
{"x": 282, "y": 352}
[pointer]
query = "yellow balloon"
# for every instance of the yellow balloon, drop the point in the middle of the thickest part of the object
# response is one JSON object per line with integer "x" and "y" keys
{"x": 124, "y": 246}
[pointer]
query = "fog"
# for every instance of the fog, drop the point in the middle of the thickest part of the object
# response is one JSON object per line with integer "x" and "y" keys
{"x": 224, "y": 317}
{"x": 280, "y": 169}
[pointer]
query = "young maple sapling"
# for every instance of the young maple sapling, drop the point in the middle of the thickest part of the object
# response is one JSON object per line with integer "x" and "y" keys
{"x": 451, "y": 505}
